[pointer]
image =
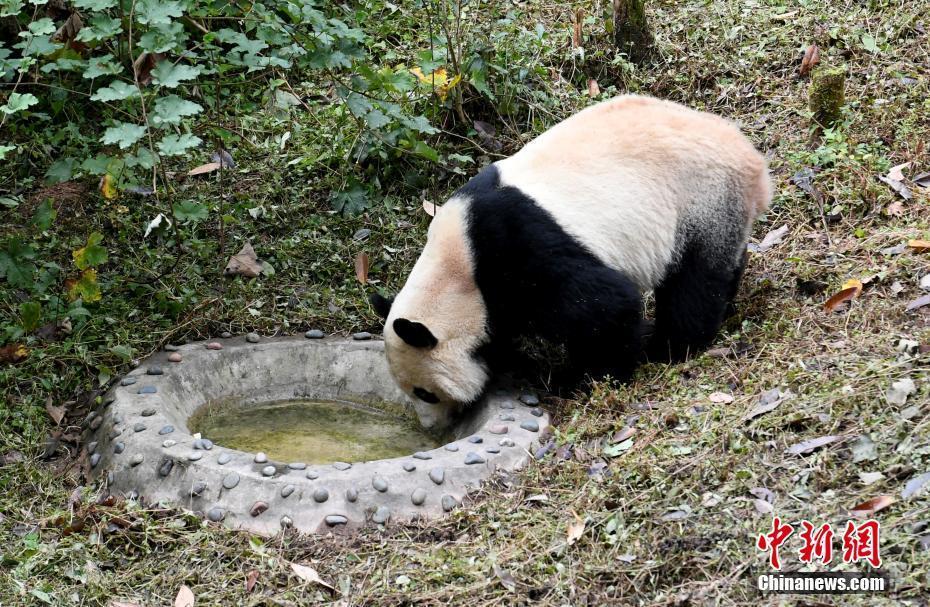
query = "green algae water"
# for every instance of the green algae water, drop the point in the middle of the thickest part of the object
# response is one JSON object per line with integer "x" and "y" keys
{"x": 312, "y": 431}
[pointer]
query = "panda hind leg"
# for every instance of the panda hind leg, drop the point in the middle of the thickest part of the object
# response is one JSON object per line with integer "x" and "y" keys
{"x": 692, "y": 302}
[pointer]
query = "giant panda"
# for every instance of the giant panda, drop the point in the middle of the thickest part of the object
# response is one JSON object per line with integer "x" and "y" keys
{"x": 562, "y": 240}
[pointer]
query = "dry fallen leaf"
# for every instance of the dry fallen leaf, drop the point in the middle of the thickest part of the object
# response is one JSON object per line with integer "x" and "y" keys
{"x": 870, "y": 507}
{"x": 13, "y": 353}
{"x": 576, "y": 28}
{"x": 309, "y": 574}
{"x": 361, "y": 267}
{"x": 914, "y": 485}
{"x": 593, "y": 89}
{"x": 918, "y": 303}
{"x": 56, "y": 413}
{"x": 808, "y": 446}
{"x": 430, "y": 208}
{"x": 123, "y": 604}
{"x": 919, "y": 245}
{"x": 204, "y": 168}
{"x": 763, "y": 507}
{"x": 185, "y": 597}
{"x": 575, "y": 529}
{"x": 506, "y": 578}
{"x": 922, "y": 180}
{"x": 250, "y": 580}
{"x": 811, "y": 58}
{"x": 844, "y": 296}
{"x": 897, "y": 172}
{"x": 895, "y": 209}
{"x": 107, "y": 187}
{"x": 853, "y": 283}
{"x": 771, "y": 239}
{"x": 720, "y": 397}
{"x": 244, "y": 263}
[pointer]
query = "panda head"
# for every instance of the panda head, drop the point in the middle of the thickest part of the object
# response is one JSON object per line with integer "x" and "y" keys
{"x": 437, "y": 367}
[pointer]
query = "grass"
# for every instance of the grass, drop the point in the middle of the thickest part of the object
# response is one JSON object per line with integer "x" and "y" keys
{"x": 670, "y": 520}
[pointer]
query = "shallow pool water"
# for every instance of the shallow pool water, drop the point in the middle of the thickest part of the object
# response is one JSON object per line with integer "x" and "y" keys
{"x": 312, "y": 431}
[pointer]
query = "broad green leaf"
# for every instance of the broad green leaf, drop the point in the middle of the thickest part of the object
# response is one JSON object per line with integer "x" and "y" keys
{"x": 425, "y": 151}
{"x": 352, "y": 201}
{"x": 64, "y": 64}
{"x": 91, "y": 254}
{"x": 101, "y": 164}
{"x": 18, "y": 102}
{"x": 375, "y": 119}
{"x": 143, "y": 158}
{"x": 869, "y": 44}
{"x": 401, "y": 81}
{"x": 171, "y": 109}
{"x": 117, "y": 91}
{"x": 102, "y": 66}
{"x": 177, "y": 145}
{"x": 170, "y": 76}
{"x": 6, "y": 149}
{"x": 61, "y": 170}
{"x": 123, "y": 352}
{"x": 420, "y": 124}
{"x": 30, "y": 314}
{"x": 36, "y": 46}
{"x": 99, "y": 27}
{"x": 41, "y": 27}
{"x": 94, "y": 5}
{"x": 123, "y": 134}
{"x": 188, "y": 210}
{"x": 44, "y": 216}
{"x": 157, "y": 12}
{"x": 11, "y": 8}
{"x": 163, "y": 38}
{"x": 84, "y": 287}
{"x": 15, "y": 264}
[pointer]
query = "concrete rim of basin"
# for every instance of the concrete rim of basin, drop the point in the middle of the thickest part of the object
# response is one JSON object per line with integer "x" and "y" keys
{"x": 138, "y": 440}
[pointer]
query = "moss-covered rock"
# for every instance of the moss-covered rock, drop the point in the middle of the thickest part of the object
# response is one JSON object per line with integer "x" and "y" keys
{"x": 827, "y": 94}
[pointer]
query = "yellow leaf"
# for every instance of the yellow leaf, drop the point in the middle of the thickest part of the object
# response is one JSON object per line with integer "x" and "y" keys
{"x": 919, "y": 245}
{"x": 108, "y": 187}
{"x": 439, "y": 80}
{"x": 853, "y": 283}
{"x": 575, "y": 529}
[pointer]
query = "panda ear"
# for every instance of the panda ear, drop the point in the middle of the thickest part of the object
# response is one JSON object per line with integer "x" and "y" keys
{"x": 414, "y": 333}
{"x": 381, "y": 304}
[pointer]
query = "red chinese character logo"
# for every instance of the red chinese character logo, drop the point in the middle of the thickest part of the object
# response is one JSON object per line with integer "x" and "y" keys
{"x": 817, "y": 543}
{"x": 771, "y": 541}
{"x": 861, "y": 543}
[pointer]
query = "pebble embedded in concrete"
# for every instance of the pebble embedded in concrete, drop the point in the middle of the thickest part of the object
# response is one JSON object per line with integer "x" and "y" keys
{"x": 168, "y": 443}
{"x": 119, "y": 447}
{"x": 165, "y": 468}
{"x": 225, "y": 335}
{"x": 506, "y": 442}
{"x": 475, "y": 440}
{"x": 148, "y": 412}
{"x": 286, "y": 522}
{"x": 94, "y": 460}
{"x": 498, "y": 429}
{"x": 252, "y": 338}
{"x": 312, "y": 475}
{"x": 91, "y": 446}
{"x": 95, "y": 423}
{"x": 379, "y": 484}
{"x": 171, "y": 348}
{"x": 320, "y": 495}
{"x": 231, "y": 480}
{"x": 449, "y": 503}
{"x": 507, "y": 417}
{"x": 148, "y": 390}
{"x": 287, "y": 490}
{"x": 351, "y": 494}
{"x": 128, "y": 381}
{"x": 529, "y": 399}
{"x": 422, "y": 455}
{"x": 260, "y": 458}
{"x": 342, "y": 466}
{"x": 166, "y": 429}
{"x": 214, "y": 345}
{"x": 452, "y": 447}
{"x": 531, "y": 424}
{"x": 382, "y": 515}
{"x": 136, "y": 459}
{"x": 361, "y": 336}
{"x": 223, "y": 459}
{"x": 175, "y": 357}
{"x": 139, "y": 427}
{"x": 507, "y": 405}
{"x": 194, "y": 456}
{"x": 536, "y": 411}
{"x": 198, "y": 489}
{"x": 216, "y": 514}
{"x": 314, "y": 334}
{"x": 269, "y": 470}
{"x": 408, "y": 467}
{"x": 437, "y": 475}
{"x": 336, "y": 519}
{"x": 258, "y": 508}
{"x": 418, "y": 496}
{"x": 297, "y": 466}
{"x": 493, "y": 450}
{"x": 473, "y": 458}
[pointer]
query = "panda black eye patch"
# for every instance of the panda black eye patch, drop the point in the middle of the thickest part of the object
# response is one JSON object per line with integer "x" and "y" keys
{"x": 425, "y": 395}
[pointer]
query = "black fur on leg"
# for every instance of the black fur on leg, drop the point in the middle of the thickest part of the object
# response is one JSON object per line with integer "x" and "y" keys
{"x": 381, "y": 304}
{"x": 692, "y": 303}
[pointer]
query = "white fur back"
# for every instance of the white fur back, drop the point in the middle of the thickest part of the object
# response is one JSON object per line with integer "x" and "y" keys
{"x": 619, "y": 176}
